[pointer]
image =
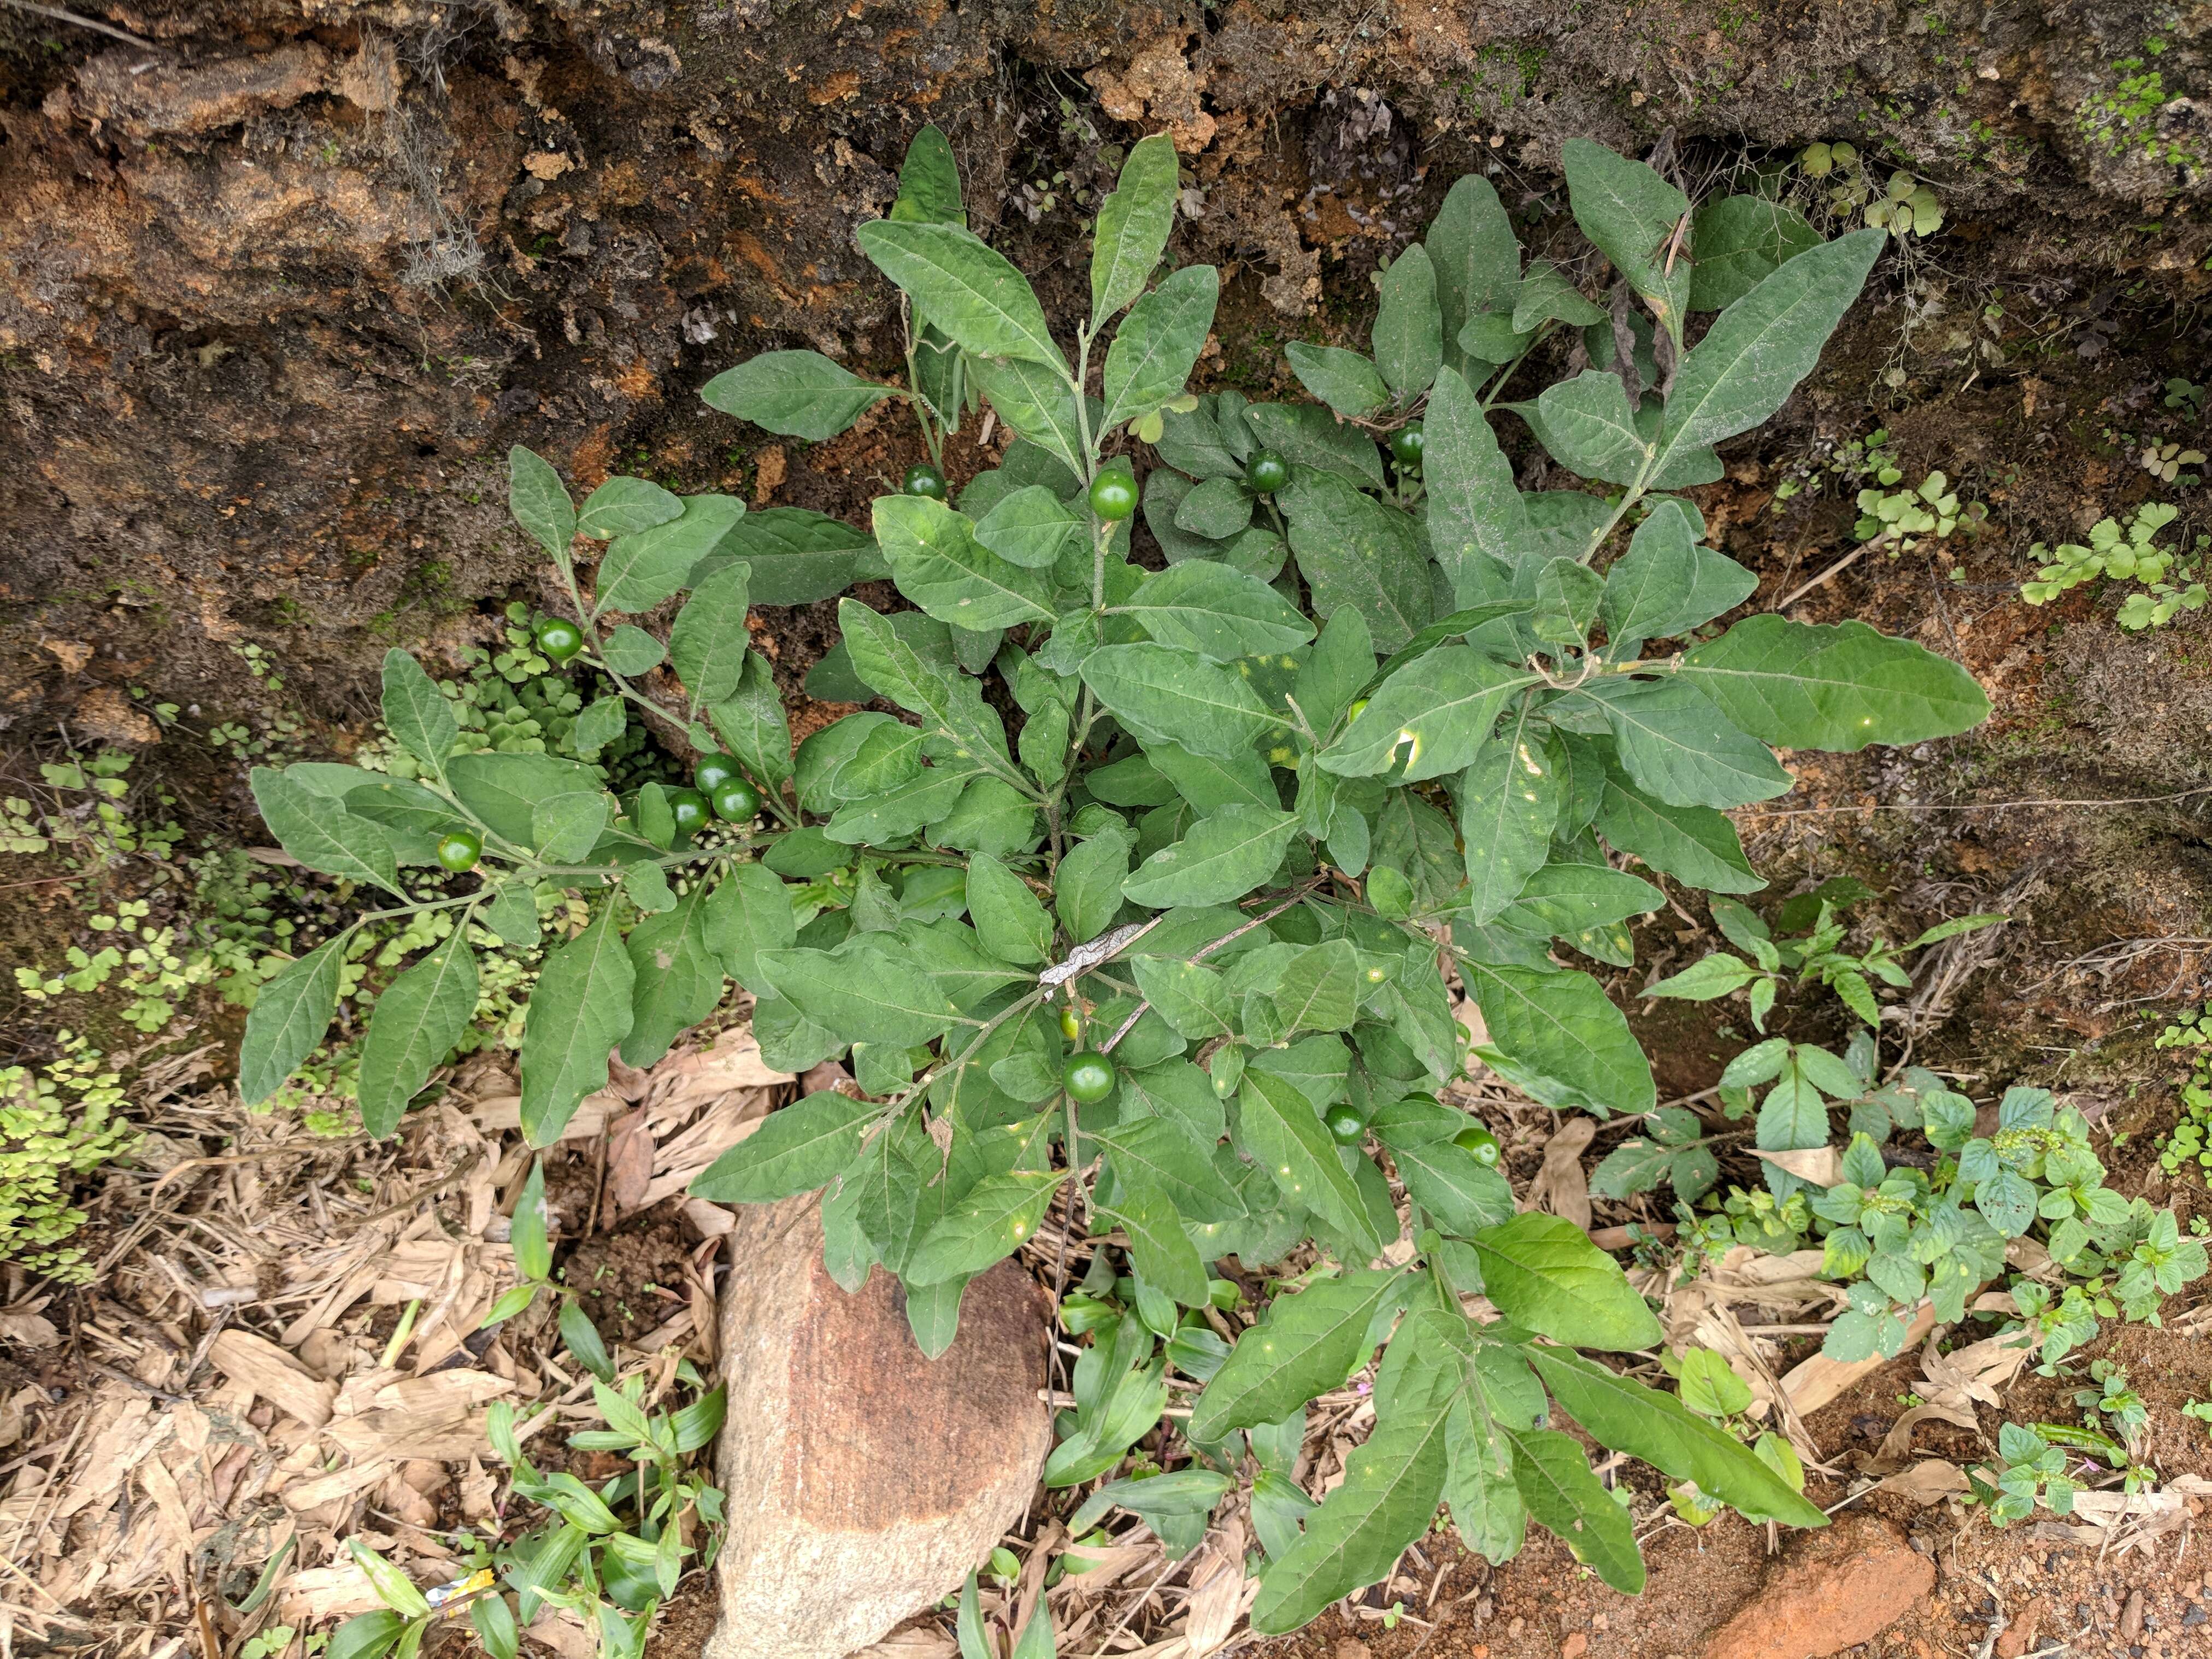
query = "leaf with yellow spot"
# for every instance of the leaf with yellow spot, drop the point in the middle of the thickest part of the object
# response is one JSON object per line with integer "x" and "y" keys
{"x": 1307, "y": 1345}
{"x": 990, "y": 1223}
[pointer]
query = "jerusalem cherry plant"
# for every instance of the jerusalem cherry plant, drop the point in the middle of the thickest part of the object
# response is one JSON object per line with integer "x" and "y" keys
{"x": 1141, "y": 892}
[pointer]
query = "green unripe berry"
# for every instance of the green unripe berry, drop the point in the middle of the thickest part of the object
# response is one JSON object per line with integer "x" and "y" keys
{"x": 1266, "y": 472}
{"x": 736, "y": 800}
{"x": 1406, "y": 443}
{"x": 460, "y": 849}
{"x": 923, "y": 479}
{"x": 1071, "y": 1023}
{"x": 1088, "y": 1077}
{"x": 559, "y": 638}
{"x": 1114, "y": 495}
{"x": 688, "y": 807}
{"x": 713, "y": 772}
{"x": 1479, "y": 1141}
{"x": 1345, "y": 1125}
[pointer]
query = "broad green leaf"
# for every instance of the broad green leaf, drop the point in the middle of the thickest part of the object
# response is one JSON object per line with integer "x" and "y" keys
{"x": 1673, "y": 746}
{"x": 1188, "y": 995}
{"x": 1510, "y": 798}
{"x": 868, "y": 990}
{"x": 1210, "y": 782}
{"x": 1474, "y": 508}
{"x": 1461, "y": 1192}
{"x": 1477, "y": 258}
{"x": 1624, "y": 1415}
{"x": 1320, "y": 987}
{"x": 748, "y": 912}
{"x": 622, "y": 506}
{"x": 631, "y": 651}
{"x": 414, "y": 1026}
{"x": 707, "y": 645}
{"x": 1761, "y": 347}
{"x": 1217, "y": 611}
{"x": 1561, "y": 1032}
{"x": 1166, "y": 1154}
{"x": 603, "y": 721}
{"x": 800, "y": 394}
{"x": 986, "y": 1226}
{"x": 1552, "y": 1471}
{"x": 1587, "y": 427}
{"x": 1306, "y": 434}
{"x": 645, "y": 567}
{"x": 1133, "y": 224}
{"x": 1347, "y": 382}
{"x": 1036, "y": 1640}
{"x": 1335, "y": 672}
{"x": 1739, "y": 240}
{"x": 1632, "y": 214}
{"x": 1546, "y": 295}
{"x": 1216, "y": 509}
{"x": 415, "y": 710}
{"x": 1226, "y": 854}
{"x": 579, "y": 1011}
{"x": 1564, "y": 900}
{"x": 795, "y": 1150}
{"x": 321, "y": 834}
{"x": 1355, "y": 551}
{"x": 1486, "y": 1504}
{"x": 1408, "y": 337}
{"x": 290, "y": 1014}
{"x": 1665, "y": 584}
{"x": 1010, "y": 920}
{"x": 938, "y": 563}
{"x": 1087, "y": 885}
{"x": 1032, "y": 527}
{"x": 965, "y": 287}
{"x": 1545, "y": 1275}
{"x": 1038, "y": 401}
{"x": 1158, "y": 344}
{"x": 752, "y": 723}
{"x": 1433, "y": 715}
{"x": 1694, "y": 844}
{"x": 539, "y": 501}
{"x": 888, "y": 666}
{"x": 1160, "y": 691}
{"x": 567, "y": 826}
{"x": 679, "y": 978}
{"x": 1307, "y": 1345}
{"x": 796, "y": 556}
{"x": 1392, "y": 1485}
{"x": 1833, "y": 685}
{"x": 1285, "y": 1136}
{"x": 1185, "y": 1493}
{"x": 1164, "y": 1255}
{"x": 929, "y": 182}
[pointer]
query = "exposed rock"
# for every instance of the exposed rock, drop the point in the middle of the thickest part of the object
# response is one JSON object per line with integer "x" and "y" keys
{"x": 106, "y": 713}
{"x": 1841, "y": 1587}
{"x": 863, "y": 1481}
{"x": 166, "y": 97}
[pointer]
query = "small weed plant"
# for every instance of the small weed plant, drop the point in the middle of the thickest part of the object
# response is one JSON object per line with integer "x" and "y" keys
{"x": 2172, "y": 580}
{"x": 1146, "y": 901}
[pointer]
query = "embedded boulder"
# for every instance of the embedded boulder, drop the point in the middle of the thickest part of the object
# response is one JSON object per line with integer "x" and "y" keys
{"x": 862, "y": 1480}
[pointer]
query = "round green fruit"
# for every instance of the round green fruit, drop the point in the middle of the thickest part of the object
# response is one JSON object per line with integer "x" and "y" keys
{"x": 713, "y": 772}
{"x": 1479, "y": 1141}
{"x": 1088, "y": 1077}
{"x": 459, "y": 850}
{"x": 736, "y": 800}
{"x": 1266, "y": 472}
{"x": 690, "y": 809}
{"x": 1071, "y": 1023}
{"x": 1114, "y": 495}
{"x": 559, "y": 638}
{"x": 923, "y": 479}
{"x": 1406, "y": 443}
{"x": 1345, "y": 1125}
